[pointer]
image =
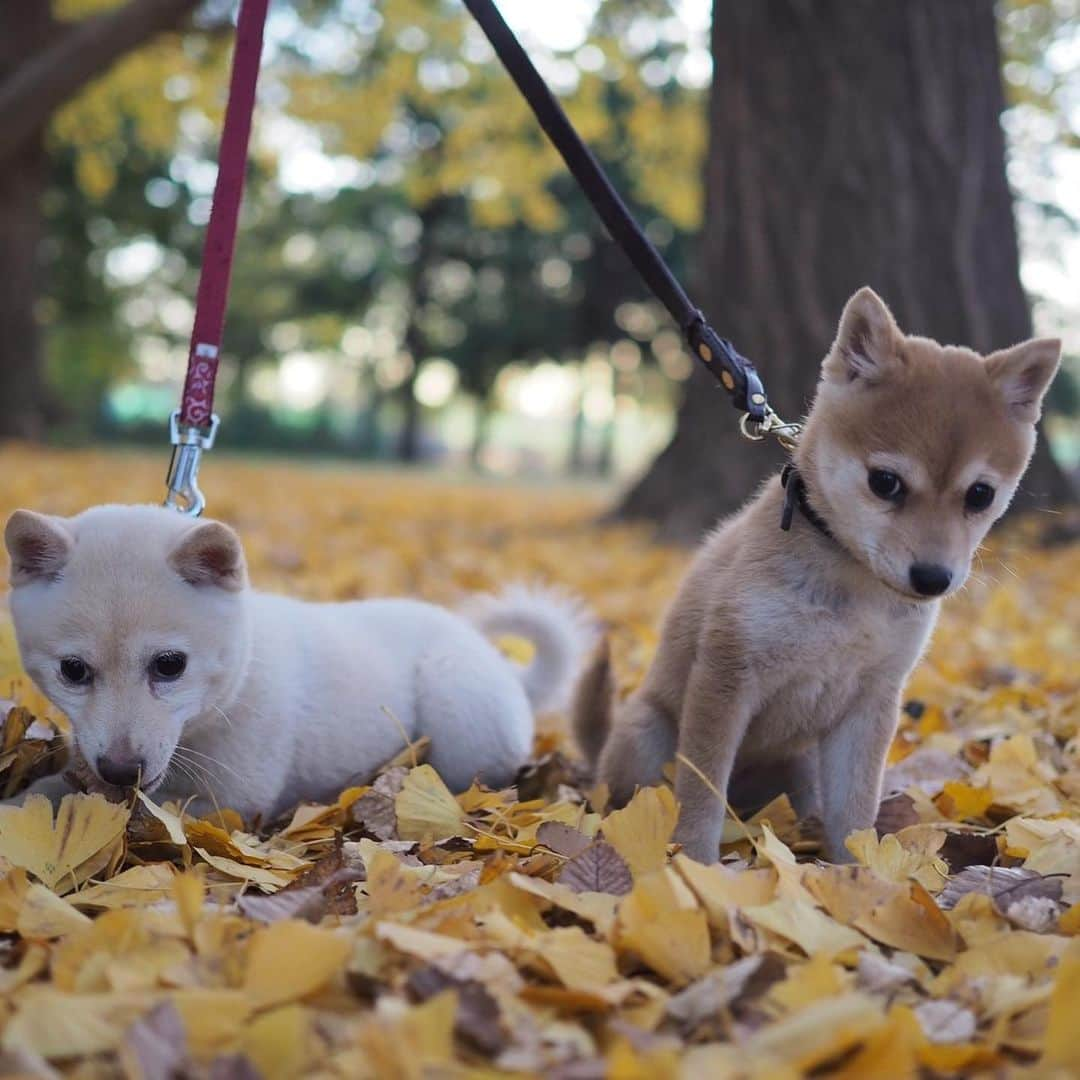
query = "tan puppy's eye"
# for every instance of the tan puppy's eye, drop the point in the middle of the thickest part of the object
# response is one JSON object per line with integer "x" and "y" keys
{"x": 978, "y": 497}
{"x": 76, "y": 672}
{"x": 886, "y": 485}
{"x": 168, "y": 666}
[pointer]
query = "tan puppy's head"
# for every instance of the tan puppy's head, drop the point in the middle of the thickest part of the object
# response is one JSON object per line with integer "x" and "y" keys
{"x": 131, "y": 619}
{"x": 913, "y": 449}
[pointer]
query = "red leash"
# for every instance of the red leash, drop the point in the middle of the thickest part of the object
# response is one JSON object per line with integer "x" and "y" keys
{"x": 194, "y": 425}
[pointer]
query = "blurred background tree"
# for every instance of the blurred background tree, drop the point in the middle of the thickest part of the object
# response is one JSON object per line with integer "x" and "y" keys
{"x": 417, "y": 277}
{"x": 857, "y": 142}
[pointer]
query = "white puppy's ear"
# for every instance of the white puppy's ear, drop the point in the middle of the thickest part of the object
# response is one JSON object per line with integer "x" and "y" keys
{"x": 866, "y": 343}
{"x": 1023, "y": 374}
{"x": 210, "y": 554}
{"x": 39, "y": 546}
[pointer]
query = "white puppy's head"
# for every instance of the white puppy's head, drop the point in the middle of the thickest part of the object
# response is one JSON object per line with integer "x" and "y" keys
{"x": 132, "y": 620}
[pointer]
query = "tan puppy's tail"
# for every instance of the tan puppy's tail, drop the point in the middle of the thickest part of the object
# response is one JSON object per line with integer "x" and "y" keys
{"x": 593, "y": 704}
{"x": 557, "y": 626}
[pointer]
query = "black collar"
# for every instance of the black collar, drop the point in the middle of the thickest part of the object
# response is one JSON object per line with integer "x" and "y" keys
{"x": 795, "y": 495}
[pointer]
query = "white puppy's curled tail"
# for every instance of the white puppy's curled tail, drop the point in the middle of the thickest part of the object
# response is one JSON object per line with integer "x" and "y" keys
{"x": 557, "y": 625}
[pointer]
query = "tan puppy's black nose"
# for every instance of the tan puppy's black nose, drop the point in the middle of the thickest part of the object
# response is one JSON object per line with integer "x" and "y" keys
{"x": 927, "y": 579}
{"x": 120, "y": 772}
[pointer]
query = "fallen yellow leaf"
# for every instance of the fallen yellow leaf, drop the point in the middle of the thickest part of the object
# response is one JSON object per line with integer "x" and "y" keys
{"x": 425, "y": 808}
{"x": 64, "y": 852}
{"x": 640, "y": 832}
{"x": 290, "y": 959}
{"x": 672, "y": 940}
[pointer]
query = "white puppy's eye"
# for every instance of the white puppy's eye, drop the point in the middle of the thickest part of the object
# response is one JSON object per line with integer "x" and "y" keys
{"x": 168, "y": 666}
{"x": 76, "y": 671}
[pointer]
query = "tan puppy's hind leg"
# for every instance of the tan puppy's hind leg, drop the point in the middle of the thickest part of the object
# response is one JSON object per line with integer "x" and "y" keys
{"x": 641, "y": 743}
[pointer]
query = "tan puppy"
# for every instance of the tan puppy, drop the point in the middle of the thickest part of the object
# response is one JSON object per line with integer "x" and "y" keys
{"x": 784, "y": 654}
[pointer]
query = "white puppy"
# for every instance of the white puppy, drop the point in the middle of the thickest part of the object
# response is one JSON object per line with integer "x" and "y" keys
{"x": 140, "y": 625}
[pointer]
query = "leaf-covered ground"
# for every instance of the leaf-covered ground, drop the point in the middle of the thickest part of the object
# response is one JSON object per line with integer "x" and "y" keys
{"x": 405, "y": 932}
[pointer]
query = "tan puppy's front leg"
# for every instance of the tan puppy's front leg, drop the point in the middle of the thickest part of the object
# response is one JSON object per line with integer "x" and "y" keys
{"x": 852, "y": 758}
{"x": 713, "y": 723}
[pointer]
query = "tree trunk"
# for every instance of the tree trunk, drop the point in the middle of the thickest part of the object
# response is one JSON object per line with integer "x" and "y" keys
{"x": 408, "y": 443}
{"x": 852, "y": 142}
{"x": 24, "y": 28}
{"x": 43, "y": 64}
{"x": 481, "y": 432}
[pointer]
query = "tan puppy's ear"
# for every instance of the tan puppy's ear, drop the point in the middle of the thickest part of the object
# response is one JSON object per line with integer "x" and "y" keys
{"x": 39, "y": 547}
{"x": 210, "y": 554}
{"x": 865, "y": 345}
{"x": 1023, "y": 374}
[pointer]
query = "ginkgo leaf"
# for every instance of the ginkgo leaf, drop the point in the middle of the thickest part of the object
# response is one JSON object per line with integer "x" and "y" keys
{"x": 1062, "y": 1045}
{"x": 579, "y": 962}
{"x": 173, "y": 826}
{"x": 289, "y": 960}
{"x": 46, "y": 915}
{"x": 57, "y": 851}
{"x": 894, "y": 860}
{"x": 641, "y": 831}
{"x": 672, "y": 940}
{"x": 425, "y": 808}
{"x": 57, "y": 1025}
{"x": 147, "y": 884}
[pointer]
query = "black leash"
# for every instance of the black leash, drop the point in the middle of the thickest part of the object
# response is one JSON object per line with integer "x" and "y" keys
{"x": 735, "y": 373}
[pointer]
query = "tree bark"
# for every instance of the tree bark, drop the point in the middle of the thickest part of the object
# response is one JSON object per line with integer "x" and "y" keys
{"x": 852, "y": 142}
{"x": 43, "y": 63}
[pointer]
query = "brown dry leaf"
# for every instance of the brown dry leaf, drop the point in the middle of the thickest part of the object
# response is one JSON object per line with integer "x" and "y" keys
{"x": 155, "y": 1046}
{"x": 598, "y": 868}
{"x": 562, "y": 839}
{"x": 425, "y": 808}
{"x": 1005, "y": 885}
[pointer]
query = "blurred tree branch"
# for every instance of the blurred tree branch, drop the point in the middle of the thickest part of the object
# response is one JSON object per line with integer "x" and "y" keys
{"x": 72, "y": 55}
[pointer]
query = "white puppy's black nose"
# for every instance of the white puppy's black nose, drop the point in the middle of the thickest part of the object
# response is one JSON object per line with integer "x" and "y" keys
{"x": 120, "y": 772}
{"x": 928, "y": 579}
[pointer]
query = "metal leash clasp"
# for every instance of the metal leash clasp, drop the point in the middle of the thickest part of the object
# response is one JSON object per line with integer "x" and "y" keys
{"x": 188, "y": 444}
{"x": 786, "y": 434}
